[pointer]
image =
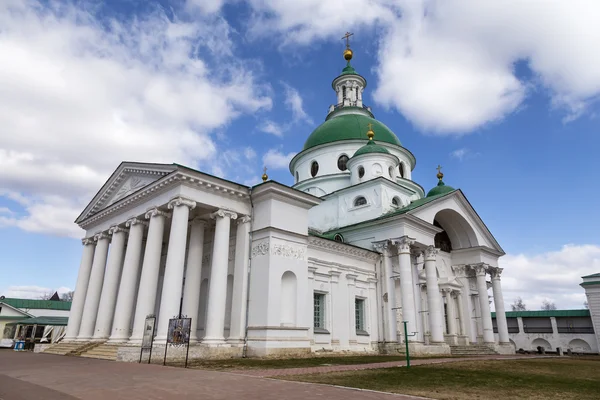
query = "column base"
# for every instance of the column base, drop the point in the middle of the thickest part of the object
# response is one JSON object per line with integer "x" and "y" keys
{"x": 215, "y": 342}
{"x": 236, "y": 341}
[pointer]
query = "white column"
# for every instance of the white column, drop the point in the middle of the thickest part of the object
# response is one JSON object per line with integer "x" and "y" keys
{"x": 92, "y": 298}
{"x": 499, "y": 305}
{"x": 434, "y": 297}
{"x": 146, "y": 298}
{"x": 484, "y": 305}
{"x": 217, "y": 290}
{"x": 173, "y": 280}
{"x": 414, "y": 258}
{"x": 391, "y": 330}
{"x": 83, "y": 278}
{"x": 121, "y": 329}
{"x": 106, "y": 309}
{"x": 461, "y": 313}
{"x": 193, "y": 276}
{"x": 407, "y": 285}
{"x": 239, "y": 301}
{"x": 451, "y": 310}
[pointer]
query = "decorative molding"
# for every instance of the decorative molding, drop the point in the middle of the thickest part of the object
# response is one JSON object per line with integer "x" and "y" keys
{"x": 117, "y": 229}
{"x": 100, "y": 236}
{"x": 342, "y": 248}
{"x": 181, "y": 201}
{"x": 479, "y": 269}
{"x": 351, "y": 279}
{"x": 403, "y": 244}
{"x": 260, "y": 248}
{"x": 155, "y": 212}
{"x": 222, "y": 213}
{"x": 382, "y": 247}
{"x": 89, "y": 240}
{"x": 431, "y": 253}
{"x": 288, "y": 251}
{"x": 135, "y": 221}
{"x": 495, "y": 272}
{"x": 460, "y": 271}
{"x": 244, "y": 219}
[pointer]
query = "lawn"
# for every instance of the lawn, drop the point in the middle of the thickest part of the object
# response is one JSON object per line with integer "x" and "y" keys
{"x": 552, "y": 378}
{"x": 257, "y": 363}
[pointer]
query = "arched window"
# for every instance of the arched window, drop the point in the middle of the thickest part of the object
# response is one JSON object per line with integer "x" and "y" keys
{"x": 361, "y": 171}
{"x": 338, "y": 238}
{"x": 343, "y": 92}
{"x": 314, "y": 169}
{"x": 360, "y": 201}
{"x": 401, "y": 169}
{"x": 442, "y": 240}
{"x": 342, "y": 161}
{"x": 396, "y": 202}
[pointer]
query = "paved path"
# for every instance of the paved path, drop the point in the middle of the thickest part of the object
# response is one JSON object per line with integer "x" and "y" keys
{"x": 28, "y": 376}
{"x": 357, "y": 367}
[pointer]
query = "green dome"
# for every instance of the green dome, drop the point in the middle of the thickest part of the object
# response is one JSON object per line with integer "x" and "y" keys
{"x": 349, "y": 127}
{"x": 441, "y": 188}
{"x": 371, "y": 147}
{"x": 349, "y": 70}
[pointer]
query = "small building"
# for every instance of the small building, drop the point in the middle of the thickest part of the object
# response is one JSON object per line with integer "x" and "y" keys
{"x": 568, "y": 329}
{"x": 28, "y": 319}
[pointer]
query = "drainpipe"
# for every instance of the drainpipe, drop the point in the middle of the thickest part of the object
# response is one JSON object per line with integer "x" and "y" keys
{"x": 245, "y": 348}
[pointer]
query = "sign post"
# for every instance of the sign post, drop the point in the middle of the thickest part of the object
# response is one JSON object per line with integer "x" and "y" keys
{"x": 406, "y": 335}
{"x": 179, "y": 335}
{"x": 148, "y": 336}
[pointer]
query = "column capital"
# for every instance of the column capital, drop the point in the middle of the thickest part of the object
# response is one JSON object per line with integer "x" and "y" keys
{"x": 382, "y": 246}
{"x": 495, "y": 272}
{"x": 351, "y": 279}
{"x": 155, "y": 212}
{"x": 222, "y": 213}
{"x": 135, "y": 221}
{"x": 244, "y": 219}
{"x": 88, "y": 240}
{"x": 101, "y": 235}
{"x": 116, "y": 229}
{"x": 480, "y": 269}
{"x": 181, "y": 201}
{"x": 431, "y": 253}
{"x": 403, "y": 244}
{"x": 460, "y": 270}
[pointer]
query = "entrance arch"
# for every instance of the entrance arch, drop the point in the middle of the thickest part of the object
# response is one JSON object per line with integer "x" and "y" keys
{"x": 456, "y": 229}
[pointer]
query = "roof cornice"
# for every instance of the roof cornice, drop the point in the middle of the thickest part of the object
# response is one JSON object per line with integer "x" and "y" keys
{"x": 342, "y": 248}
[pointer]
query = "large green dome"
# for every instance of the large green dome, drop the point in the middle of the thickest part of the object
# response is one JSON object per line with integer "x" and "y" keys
{"x": 349, "y": 127}
{"x": 441, "y": 188}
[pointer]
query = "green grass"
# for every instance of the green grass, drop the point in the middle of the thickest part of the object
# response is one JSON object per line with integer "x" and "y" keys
{"x": 564, "y": 378}
{"x": 258, "y": 363}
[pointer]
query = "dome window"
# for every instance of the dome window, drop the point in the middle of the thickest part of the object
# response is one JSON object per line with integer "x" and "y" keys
{"x": 401, "y": 169}
{"x": 297, "y": 177}
{"x": 360, "y": 201}
{"x": 314, "y": 169}
{"x": 338, "y": 238}
{"x": 391, "y": 172}
{"x": 342, "y": 161}
{"x": 396, "y": 202}
{"x": 361, "y": 171}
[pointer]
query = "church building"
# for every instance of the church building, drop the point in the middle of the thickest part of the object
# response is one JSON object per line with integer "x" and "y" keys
{"x": 340, "y": 261}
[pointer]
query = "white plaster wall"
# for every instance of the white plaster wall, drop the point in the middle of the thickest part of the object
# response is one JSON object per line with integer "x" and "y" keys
{"x": 592, "y": 293}
{"x": 48, "y": 313}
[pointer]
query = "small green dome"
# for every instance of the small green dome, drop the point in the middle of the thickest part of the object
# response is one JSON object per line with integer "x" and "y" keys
{"x": 371, "y": 147}
{"x": 349, "y": 127}
{"x": 349, "y": 70}
{"x": 441, "y": 188}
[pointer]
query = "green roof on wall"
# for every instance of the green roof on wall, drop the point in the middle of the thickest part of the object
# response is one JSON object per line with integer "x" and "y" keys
{"x": 39, "y": 304}
{"x": 546, "y": 313}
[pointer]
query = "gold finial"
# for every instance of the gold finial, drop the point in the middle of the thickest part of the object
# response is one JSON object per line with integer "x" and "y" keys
{"x": 440, "y": 175}
{"x": 265, "y": 176}
{"x": 348, "y": 51}
{"x": 370, "y": 133}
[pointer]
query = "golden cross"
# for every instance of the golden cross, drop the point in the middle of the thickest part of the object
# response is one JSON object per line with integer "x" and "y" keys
{"x": 370, "y": 125}
{"x": 439, "y": 169}
{"x": 347, "y": 37}
{"x": 265, "y": 170}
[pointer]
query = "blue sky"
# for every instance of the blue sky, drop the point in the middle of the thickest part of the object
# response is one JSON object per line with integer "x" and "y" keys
{"x": 497, "y": 93}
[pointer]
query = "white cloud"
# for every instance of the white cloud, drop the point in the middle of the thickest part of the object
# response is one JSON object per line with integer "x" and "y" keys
{"x": 275, "y": 159}
{"x": 553, "y": 276}
{"x": 32, "y": 292}
{"x": 449, "y": 66}
{"x": 272, "y": 128}
{"x": 6, "y": 210}
{"x": 249, "y": 153}
{"x": 294, "y": 102}
{"x": 463, "y": 154}
{"x": 78, "y": 98}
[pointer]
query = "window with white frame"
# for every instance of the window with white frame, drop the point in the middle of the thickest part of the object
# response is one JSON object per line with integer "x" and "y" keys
{"x": 319, "y": 313}
{"x": 359, "y": 314}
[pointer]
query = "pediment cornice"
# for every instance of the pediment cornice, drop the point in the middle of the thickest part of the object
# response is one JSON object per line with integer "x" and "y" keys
{"x": 341, "y": 248}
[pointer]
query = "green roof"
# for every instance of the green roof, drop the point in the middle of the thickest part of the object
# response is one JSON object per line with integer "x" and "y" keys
{"x": 546, "y": 313}
{"x": 592, "y": 276}
{"x": 349, "y": 70}
{"x": 349, "y": 127}
{"x": 441, "y": 188}
{"x": 59, "y": 321}
{"x": 371, "y": 147}
{"x": 590, "y": 283}
{"x": 38, "y": 304}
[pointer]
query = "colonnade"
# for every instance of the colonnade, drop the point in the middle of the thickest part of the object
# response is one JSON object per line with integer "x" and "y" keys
{"x": 435, "y": 301}
{"x": 106, "y": 292}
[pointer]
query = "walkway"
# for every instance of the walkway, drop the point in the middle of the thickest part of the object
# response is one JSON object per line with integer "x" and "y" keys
{"x": 26, "y": 376}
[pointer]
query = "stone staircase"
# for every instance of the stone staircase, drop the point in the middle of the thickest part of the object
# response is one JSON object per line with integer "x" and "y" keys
{"x": 472, "y": 350}
{"x": 69, "y": 348}
{"x": 102, "y": 351}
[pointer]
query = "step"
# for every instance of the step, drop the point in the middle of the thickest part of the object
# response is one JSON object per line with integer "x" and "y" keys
{"x": 102, "y": 351}
{"x": 65, "y": 348}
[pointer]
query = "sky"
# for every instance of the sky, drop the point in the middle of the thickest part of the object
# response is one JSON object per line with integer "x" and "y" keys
{"x": 503, "y": 94}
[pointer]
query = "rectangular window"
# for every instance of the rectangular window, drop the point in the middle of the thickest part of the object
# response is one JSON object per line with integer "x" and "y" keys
{"x": 359, "y": 307}
{"x": 319, "y": 313}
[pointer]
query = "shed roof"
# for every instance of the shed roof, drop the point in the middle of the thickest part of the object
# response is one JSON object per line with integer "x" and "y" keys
{"x": 58, "y": 321}
{"x": 546, "y": 313}
{"x": 37, "y": 304}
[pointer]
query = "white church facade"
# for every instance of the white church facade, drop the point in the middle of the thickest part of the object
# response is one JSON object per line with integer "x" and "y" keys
{"x": 335, "y": 262}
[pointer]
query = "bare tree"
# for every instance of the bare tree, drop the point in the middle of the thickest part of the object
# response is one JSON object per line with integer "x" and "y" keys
{"x": 548, "y": 305}
{"x": 68, "y": 296}
{"x": 46, "y": 296}
{"x": 518, "y": 305}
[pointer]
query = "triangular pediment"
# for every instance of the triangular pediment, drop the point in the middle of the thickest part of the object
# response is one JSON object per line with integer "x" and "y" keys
{"x": 127, "y": 179}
